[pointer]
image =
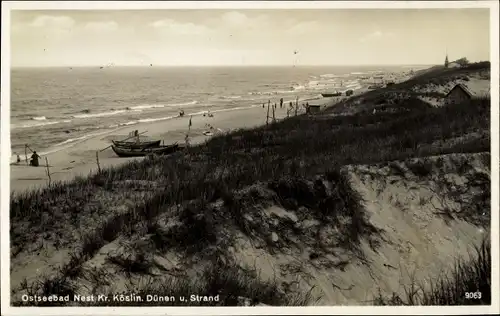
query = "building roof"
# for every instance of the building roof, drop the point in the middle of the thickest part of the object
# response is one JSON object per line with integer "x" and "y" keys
{"x": 463, "y": 88}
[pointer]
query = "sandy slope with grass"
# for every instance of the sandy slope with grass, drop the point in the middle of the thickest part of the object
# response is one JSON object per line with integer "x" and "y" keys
{"x": 382, "y": 229}
{"x": 416, "y": 223}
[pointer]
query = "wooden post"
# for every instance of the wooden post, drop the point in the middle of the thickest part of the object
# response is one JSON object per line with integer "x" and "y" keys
{"x": 26, "y": 154}
{"x": 296, "y": 105}
{"x": 48, "y": 170}
{"x": 267, "y": 118}
{"x": 97, "y": 159}
{"x": 274, "y": 117}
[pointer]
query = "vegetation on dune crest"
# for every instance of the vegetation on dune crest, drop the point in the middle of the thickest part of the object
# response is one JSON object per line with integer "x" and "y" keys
{"x": 214, "y": 187}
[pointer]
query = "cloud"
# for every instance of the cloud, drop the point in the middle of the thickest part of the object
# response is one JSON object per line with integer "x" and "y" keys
{"x": 59, "y": 22}
{"x": 101, "y": 26}
{"x": 174, "y": 27}
{"x": 376, "y": 35}
{"x": 235, "y": 19}
{"x": 304, "y": 28}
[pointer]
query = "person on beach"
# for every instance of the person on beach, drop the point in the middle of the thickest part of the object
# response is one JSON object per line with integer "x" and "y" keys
{"x": 34, "y": 159}
{"x": 136, "y": 135}
{"x": 18, "y": 158}
{"x": 281, "y": 103}
{"x": 181, "y": 113}
{"x": 263, "y": 104}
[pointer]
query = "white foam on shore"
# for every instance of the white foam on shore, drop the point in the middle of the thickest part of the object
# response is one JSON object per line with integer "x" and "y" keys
{"x": 272, "y": 92}
{"x": 230, "y": 97}
{"x": 146, "y": 106}
{"x": 160, "y": 105}
{"x": 84, "y": 116}
{"x": 27, "y": 125}
{"x": 39, "y": 118}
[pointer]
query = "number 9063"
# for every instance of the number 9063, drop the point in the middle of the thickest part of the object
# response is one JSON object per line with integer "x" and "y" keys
{"x": 473, "y": 295}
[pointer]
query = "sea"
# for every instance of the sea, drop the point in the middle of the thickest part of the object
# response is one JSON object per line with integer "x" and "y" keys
{"x": 52, "y": 108}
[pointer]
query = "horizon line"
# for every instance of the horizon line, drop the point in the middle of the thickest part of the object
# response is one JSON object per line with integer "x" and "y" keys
{"x": 232, "y": 66}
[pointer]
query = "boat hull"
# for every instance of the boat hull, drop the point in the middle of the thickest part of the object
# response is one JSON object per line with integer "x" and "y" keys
{"x": 328, "y": 95}
{"x": 141, "y": 152}
{"x": 134, "y": 145}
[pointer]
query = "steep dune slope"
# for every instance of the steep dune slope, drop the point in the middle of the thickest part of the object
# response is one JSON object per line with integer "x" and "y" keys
{"x": 422, "y": 215}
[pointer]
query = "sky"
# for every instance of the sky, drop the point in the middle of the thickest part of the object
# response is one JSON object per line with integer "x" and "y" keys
{"x": 248, "y": 37}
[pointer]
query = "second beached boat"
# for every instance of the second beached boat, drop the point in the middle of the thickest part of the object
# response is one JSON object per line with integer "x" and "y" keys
{"x": 133, "y": 144}
{"x": 329, "y": 95}
{"x": 141, "y": 152}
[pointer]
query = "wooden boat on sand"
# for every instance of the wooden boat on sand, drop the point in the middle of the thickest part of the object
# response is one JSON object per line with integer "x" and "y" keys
{"x": 141, "y": 152}
{"x": 329, "y": 95}
{"x": 133, "y": 144}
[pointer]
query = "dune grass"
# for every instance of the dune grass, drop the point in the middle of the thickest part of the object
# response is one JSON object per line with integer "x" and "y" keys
{"x": 469, "y": 283}
{"x": 87, "y": 213}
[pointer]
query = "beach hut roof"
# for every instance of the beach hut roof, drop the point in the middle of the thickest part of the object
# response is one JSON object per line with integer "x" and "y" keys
{"x": 463, "y": 88}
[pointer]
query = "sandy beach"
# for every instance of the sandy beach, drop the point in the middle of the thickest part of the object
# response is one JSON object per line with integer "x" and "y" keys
{"x": 80, "y": 159}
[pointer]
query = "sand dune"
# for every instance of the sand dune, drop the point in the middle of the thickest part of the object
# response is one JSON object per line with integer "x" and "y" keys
{"x": 416, "y": 221}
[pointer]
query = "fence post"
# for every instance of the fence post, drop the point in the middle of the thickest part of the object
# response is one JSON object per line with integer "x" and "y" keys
{"x": 267, "y": 118}
{"x": 97, "y": 159}
{"x": 48, "y": 170}
{"x": 26, "y": 154}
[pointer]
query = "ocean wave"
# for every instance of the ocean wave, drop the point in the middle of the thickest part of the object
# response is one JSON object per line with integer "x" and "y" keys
{"x": 136, "y": 108}
{"x": 28, "y": 125}
{"x": 183, "y": 104}
{"x": 39, "y": 118}
{"x": 83, "y": 116}
{"x": 270, "y": 92}
{"x": 298, "y": 88}
{"x": 328, "y": 76}
{"x": 146, "y": 106}
{"x": 123, "y": 124}
{"x": 230, "y": 97}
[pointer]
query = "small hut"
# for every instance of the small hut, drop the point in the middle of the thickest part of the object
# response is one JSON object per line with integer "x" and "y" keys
{"x": 458, "y": 94}
{"x": 313, "y": 108}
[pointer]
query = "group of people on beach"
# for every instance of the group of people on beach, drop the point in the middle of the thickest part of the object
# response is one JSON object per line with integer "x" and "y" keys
{"x": 34, "y": 162}
{"x": 305, "y": 106}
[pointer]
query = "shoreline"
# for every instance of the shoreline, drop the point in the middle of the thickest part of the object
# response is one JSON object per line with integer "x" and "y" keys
{"x": 79, "y": 159}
